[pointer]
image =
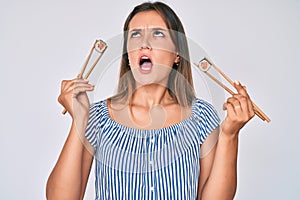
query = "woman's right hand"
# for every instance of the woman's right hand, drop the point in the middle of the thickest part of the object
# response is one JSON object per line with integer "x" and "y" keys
{"x": 74, "y": 98}
{"x": 69, "y": 177}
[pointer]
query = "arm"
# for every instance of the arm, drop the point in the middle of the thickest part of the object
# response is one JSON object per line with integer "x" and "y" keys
{"x": 218, "y": 177}
{"x": 70, "y": 174}
{"x": 219, "y": 168}
{"x": 69, "y": 177}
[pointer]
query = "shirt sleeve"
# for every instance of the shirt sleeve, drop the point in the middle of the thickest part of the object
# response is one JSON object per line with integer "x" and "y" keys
{"x": 207, "y": 119}
{"x": 207, "y": 122}
{"x": 93, "y": 126}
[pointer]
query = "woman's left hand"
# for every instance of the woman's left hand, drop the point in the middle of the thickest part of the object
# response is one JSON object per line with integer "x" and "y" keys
{"x": 239, "y": 111}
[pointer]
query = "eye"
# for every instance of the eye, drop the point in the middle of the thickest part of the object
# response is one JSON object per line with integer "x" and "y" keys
{"x": 158, "y": 34}
{"x": 135, "y": 34}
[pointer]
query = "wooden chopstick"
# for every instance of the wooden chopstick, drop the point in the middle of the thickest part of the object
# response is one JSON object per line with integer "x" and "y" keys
{"x": 95, "y": 63}
{"x": 230, "y": 91}
{"x": 257, "y": 110}
{"x": 87, "y": 61}
{"x": 102, "y": 50}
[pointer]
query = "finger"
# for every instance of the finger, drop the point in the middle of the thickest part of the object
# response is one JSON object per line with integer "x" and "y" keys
{"x": 80, "y": 87}
{"x": 67, "y": 84}
{"x": 243, "y": 102}
{"x": 64, "y": 84}
{"x": 235, "y": 104}
{"x": 250, "y": 108}
{"x": 80, "y": 80}
{"x": 75, "y": 80}
{"x": 230, "y": 109}
{"x": 83, "y": 85}
{"x": 73, "y": 93}
{"x": 80, "y": 90}
{"x": 240, "y": 88}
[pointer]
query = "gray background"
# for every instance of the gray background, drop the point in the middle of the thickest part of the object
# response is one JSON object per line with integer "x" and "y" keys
{"x": 43, "y": 42}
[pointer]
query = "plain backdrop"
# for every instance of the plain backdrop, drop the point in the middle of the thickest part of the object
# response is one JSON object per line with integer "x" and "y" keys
{"x": 44, "y": 42}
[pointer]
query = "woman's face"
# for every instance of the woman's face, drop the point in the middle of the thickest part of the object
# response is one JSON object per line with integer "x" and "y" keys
{"x": 151, "y": 51}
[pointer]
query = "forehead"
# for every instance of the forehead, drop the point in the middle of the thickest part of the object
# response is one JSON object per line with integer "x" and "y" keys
{"x": 147, "y": 19}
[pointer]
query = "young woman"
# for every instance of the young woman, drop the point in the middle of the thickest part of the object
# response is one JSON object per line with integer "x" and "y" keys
{"x": 154, "y": 139}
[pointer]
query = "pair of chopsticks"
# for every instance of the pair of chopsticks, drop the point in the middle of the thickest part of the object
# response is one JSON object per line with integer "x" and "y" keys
{"x": 100, "y": 46}
{"x": 205, "y": 64}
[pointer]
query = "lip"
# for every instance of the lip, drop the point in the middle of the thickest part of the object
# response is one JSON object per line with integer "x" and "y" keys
{"x": 142, "y": 70}
{"x": 142, "y": 55}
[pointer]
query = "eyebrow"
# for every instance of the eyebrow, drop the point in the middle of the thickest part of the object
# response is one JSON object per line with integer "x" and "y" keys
{"x": 153, "y": 29}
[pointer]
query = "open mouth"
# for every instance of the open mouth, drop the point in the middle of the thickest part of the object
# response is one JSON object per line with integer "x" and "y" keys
{"x": 145, "y": 64}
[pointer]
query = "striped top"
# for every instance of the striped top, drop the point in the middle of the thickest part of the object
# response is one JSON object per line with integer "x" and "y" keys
{"x": 148, "y": 164}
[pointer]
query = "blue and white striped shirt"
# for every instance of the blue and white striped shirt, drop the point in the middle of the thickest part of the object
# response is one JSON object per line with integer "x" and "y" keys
{"x": 149, "y": 164}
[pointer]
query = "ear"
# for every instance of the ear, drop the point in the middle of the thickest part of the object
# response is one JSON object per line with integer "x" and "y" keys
{"x": 177, "y": 59}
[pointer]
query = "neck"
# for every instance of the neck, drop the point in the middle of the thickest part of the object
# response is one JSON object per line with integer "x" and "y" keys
{"x": 151, "y": 95}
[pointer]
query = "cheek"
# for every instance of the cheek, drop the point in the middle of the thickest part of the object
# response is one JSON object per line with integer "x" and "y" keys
{"x": 132, "y": 57}
{"x": 163, "y": 45}
{"x": 133, "y": 45}
{"x": 166, "y": 58}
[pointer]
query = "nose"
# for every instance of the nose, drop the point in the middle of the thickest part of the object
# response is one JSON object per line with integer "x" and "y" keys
{"x": 146, "y": 47}
{"x": 146, "y": 43}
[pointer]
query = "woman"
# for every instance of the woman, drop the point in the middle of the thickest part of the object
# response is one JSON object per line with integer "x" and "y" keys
{"x": 150, "y": 139}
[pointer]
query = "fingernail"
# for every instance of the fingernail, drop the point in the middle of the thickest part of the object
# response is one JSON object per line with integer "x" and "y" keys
{"x": 237, "y": 82}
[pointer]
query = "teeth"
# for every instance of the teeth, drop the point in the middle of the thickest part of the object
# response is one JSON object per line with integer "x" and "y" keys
{"x": 145, "y": 63}
{"x": 146, "y": 68}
